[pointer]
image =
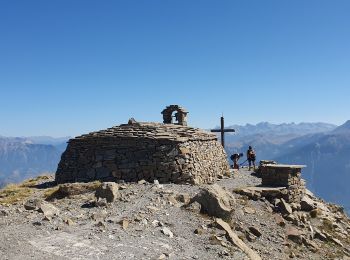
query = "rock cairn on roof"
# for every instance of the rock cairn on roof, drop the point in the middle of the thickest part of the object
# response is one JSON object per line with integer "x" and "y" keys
{"x": 144, "y": 150}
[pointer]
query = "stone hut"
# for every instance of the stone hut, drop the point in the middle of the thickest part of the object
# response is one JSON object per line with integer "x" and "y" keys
{"x": 151, "y": 151}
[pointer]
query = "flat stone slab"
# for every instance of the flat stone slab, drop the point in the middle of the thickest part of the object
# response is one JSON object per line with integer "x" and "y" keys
{"x": 284, "y": 166}
{"x": 258, "y": 191}
{"x": 263, "y": 189}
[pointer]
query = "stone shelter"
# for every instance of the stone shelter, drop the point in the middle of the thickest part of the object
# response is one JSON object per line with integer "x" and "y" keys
{"x": 166, "y": 152}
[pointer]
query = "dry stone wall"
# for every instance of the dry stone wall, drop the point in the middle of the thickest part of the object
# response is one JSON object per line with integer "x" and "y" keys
{"x": 204, "y": 161}
{"x": 149, "y": 151}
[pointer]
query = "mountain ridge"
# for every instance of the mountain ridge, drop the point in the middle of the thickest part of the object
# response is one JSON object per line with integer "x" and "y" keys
{"x": 22, "y": 158}
{"x": 283, "y": 128}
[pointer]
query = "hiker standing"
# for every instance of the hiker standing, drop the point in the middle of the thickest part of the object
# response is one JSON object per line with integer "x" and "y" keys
{"x": 251, "y": 157}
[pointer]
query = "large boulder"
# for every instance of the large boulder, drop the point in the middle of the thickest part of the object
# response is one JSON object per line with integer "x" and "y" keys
{"x": 215, "y": 201}
{"x": 108, "y": 191}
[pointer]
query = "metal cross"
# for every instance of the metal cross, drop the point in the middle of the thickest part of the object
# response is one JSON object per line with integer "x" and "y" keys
{"x": 222, "y": 130}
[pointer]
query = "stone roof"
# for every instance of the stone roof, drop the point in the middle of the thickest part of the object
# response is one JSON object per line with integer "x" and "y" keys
{"x": 157, "y": 131}
{"x": 292, "y": 166}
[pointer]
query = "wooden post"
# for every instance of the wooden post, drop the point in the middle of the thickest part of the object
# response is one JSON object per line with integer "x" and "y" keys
{"x": 222, "y": 130}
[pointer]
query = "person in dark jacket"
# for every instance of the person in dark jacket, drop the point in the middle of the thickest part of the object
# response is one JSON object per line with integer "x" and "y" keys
{"x": 251, "y": 156}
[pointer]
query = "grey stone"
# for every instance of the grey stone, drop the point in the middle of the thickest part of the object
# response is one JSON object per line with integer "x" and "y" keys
{"x": 256, "y": 232}
{"x": 215, "y": 201}
{"x": 102, "y": 172}
{"x": 237, "y": 241}
{"x": 183, "y": 198}
{"x": 3, "y": 213}
{"x": 32, "y": 204}
{"x": 194, "y": 207}
{"x": 48, "y": 209}
{"x": 199, "y": 231}
{"x": 109, "y": 191}
{"x": 279, "y": 220}
{"x": 295, "y": 235}
{"x": 91, "y": 173}
{"x": 166, "y": 231}
{"x": 284, "y": 207}
{"x": 319, "y": 235}
{"x": 307, "y": 204}
{"x": 142, "y": 182}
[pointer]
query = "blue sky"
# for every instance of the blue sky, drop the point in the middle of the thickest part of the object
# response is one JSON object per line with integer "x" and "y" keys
{"x": 70, "y": 67}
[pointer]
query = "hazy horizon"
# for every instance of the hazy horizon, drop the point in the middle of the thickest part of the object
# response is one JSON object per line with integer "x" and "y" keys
{"x": 213, "y": 126}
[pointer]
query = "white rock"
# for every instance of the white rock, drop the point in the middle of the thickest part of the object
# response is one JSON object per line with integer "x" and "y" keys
{"x": 48, "y": 209}
{"x": 155, "y": 223}
{"x": 166, "y": 231}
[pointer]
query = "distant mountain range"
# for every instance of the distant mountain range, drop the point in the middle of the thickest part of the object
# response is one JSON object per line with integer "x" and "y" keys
{"x": 328, "y": 159}
{"x": 282, "y": 129}
{"x": 25, "y": 157}
{"x": 324, "y": 148}
{"x": 270, "y": 140}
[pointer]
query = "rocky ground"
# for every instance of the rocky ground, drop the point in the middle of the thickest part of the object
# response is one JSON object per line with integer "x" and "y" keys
{"x": 166, "y": 221}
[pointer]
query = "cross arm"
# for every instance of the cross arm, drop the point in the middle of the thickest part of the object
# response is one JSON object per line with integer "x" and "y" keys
{"x": 219, "y": 130}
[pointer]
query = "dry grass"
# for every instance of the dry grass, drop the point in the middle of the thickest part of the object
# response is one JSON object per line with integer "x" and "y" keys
{"x": 50, "y": 192}
{"x": 94, "y": 185}
{"x": 13, "y": 193}
{"x": 32, "y": 182}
